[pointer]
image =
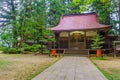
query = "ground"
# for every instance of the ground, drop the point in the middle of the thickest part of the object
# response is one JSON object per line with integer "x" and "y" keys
{"x": 23, "y": 67}
{"x": 111, "y": 66}
{"x": 26, "y": 66}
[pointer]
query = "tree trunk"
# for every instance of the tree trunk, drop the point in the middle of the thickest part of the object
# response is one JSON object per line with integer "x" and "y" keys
{"x": 14, "y": 23}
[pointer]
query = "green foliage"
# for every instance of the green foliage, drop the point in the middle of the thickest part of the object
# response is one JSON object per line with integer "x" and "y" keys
{"x": 97, "y": 41}
{"x": 34, "y": 23}
{"x": 57, "y": 9}
{"x": 33, "y": 48}
{"x": 84, "y": 5}
{"x": 55, "y": 12}
{"x": 12, "y": 50}
{"x": 6, "y": 36}
{"x": 49, "y": 35}
{"x": 9, "y": 13}
{"x": 46, "y": 52}
{"x": 28, "y": 48}
{"x": 27, "y": 22}
{"x": 103, "y": 9}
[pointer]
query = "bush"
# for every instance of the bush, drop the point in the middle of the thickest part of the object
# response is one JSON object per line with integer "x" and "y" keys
{"x": 12, "y": 50}
{"x": 45, "y": 51}
{"x": 33, "y": 48}
{"x": 27, "y": 48}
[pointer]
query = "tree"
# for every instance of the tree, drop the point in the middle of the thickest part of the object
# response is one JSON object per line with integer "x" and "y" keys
{"x": 119, "y": 14}
{"x": 114, "y": 17}
{"x": 101, "y": 7}
{"x": 97, "y": 41}
{"x": 28, "y": 21}
{"x": 8, "y": 15}
{"x": 6, "y": 36}
{"x": 55, "y": 11}
{"x": 57, "y": 8}
{"x": 106, "y": 10}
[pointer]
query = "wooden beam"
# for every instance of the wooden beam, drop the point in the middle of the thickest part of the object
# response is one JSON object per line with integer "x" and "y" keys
{"x": 85, "y": 39}
{"x": 59, "y": 40}
{"x": 69, "y": 40}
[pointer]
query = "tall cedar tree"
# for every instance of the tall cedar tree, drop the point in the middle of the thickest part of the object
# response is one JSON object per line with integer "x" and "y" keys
{"x": 8, "y": 15}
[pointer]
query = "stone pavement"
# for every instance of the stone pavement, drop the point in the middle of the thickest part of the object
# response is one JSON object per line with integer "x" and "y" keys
{"x": 71, "y": 68}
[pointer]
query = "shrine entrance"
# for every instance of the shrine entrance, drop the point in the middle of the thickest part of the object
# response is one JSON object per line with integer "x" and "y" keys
{"x": 77, "y": 40}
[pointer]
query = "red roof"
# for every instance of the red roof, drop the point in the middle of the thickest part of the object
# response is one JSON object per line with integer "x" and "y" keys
{"x": 88, "y": 21}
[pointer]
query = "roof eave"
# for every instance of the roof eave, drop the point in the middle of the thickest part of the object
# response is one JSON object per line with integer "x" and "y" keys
{"x": 100, "y": 29}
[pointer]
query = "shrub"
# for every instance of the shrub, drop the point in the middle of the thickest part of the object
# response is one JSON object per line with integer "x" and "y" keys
{"x": 27, "y": 48}
{"x": 25, "y": 45}
{"x": 33, "y": 48}
{"x": 45, "y": 51}
{"x": 12, "y": 50}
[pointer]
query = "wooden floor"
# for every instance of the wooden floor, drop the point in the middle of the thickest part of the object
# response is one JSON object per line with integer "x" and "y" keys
{"x": 71, "y": 68}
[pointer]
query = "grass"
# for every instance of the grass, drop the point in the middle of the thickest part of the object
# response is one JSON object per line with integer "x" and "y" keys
{"x": 23, "y": 66}
{"x": 39, "y": 71}
{"x": 4, "y": 64}
{"x": 105, "y": 73}
{"x": 115, "y": 74}
{"x": 11, "y": 55}
{"x": 101, "y": 58}
{"x": 111, "y": 73}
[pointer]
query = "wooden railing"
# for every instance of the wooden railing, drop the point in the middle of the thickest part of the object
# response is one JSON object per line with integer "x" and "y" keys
{"x": 58, "y": 52}
{"x": 104, "y": 51}
{"x": 89, "y": 51}
{"x": 116, "y": 48}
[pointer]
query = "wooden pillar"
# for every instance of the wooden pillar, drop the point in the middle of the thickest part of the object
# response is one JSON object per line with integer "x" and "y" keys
{"x": 69, "y": 40}
{"x": 58, "y": 40}
{"x": 85, "y": 39}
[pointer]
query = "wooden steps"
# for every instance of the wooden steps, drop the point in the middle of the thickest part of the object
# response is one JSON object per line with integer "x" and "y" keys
{"x": 77, "y": 52}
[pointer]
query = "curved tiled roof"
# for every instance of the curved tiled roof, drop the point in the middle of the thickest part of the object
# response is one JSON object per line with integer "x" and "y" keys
{"x": 88, "y": 21}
